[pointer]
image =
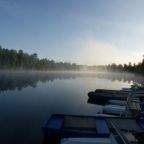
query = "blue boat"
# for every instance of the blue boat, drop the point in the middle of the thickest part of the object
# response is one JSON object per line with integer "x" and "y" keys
{"x": 76, "y": 126}
{"x": 65, "y": 126}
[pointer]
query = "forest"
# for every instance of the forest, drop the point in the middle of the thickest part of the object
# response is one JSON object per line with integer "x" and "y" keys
{"x": 13, "y": 59}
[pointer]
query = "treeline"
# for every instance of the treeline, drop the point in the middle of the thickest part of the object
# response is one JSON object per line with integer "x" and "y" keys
{"x": 12, "y": 59}
{"x": 134, "y": 68}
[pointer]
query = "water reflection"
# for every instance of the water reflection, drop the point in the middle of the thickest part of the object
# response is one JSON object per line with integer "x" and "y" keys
{"x": 32, "y": 97}
{"x": 20, "y": 80}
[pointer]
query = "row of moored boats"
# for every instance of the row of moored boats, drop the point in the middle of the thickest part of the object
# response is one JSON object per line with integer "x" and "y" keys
{"x": 120, "y": 121}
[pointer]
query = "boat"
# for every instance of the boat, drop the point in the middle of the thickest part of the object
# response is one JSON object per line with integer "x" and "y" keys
{"x": 111, "y": 91}
{"x": 135, "y": 90}
{"x": 130, "y": 107}
{"x": 105, "y": 102}
{"x": 77, "y": 126}
{"x": 116, "y": 137}
{"x": 107, "y": 96}
{"x": 112, "y": 139}
{"x": 116, "y": 110}
{"x": 117, "y": 102}
{"x": 62, "y": 126}
{"x": 114, "y": 95}
{"x": 123, "y": 90}
{"x": 65, "y": 126}
{"x": 123, "y": 108}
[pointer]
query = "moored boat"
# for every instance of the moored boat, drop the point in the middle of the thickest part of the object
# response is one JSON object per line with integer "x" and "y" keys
{"x": 115, "y": 96}
{"x": 123, "y": 108}
{"x": 112, "y": 139}
{"x": 77, "y": 126}
{"x": 116, "y": 110}
{"x": 105, "y": 102}
{"x": 107, "y": 96}
{"x": 135, "y": 89}
{"x": 65, "y": 126}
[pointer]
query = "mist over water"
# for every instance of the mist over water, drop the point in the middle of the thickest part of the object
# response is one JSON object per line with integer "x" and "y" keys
{"x": 17, "y": 80}
{"x": 27, "y": 99}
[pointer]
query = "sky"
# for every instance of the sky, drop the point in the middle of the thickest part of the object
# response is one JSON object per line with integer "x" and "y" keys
{"x": 91, "y": 32}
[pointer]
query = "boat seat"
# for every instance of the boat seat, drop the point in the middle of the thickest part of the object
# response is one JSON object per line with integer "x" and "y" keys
{"x": 101, "y": 127}
{"x": 55, "y": 122}
{"x": 79, "y": 123}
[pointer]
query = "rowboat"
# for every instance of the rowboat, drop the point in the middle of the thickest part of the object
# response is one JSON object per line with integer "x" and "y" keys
{"x": 114, "y": 95}
{"x": 138, "y": 92}
{"x": 112, "y": 139}
{"x": 123, "y": 108}
{"x": 107, "y": 96}
{"x": 65, "y": 126}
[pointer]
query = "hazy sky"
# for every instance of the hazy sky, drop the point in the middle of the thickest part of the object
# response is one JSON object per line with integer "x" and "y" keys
{"x": 82, "y": 31}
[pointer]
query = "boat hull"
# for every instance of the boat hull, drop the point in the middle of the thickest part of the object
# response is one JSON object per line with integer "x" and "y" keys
{"x": 104, "y": 96}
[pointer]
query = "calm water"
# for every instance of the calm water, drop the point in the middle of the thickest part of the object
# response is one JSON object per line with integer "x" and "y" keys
{"x": 27, "y": 99}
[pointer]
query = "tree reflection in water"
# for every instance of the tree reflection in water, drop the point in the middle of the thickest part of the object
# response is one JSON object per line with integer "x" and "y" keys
{"x": 18, "y": 80}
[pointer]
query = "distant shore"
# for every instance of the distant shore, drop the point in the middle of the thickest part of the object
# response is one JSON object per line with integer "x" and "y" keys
{"x": 12, "y": 60}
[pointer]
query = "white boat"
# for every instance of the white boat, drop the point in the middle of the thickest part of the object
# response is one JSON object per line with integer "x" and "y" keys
{"x": 116, "y": 137}
{"x": 115, "y": 109}
{"x": 126, "y": 108}
{"x": 106, "y": 140}
{"x": 117, "y": 102}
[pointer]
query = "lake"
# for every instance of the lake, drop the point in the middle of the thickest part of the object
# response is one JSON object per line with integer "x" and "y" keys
{"x": 27, "y": 99}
